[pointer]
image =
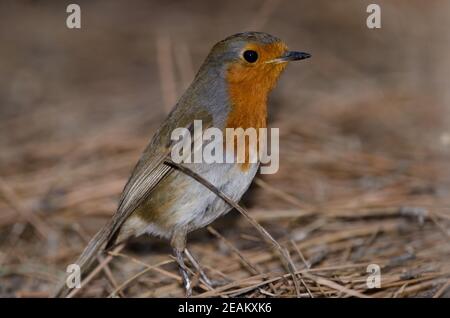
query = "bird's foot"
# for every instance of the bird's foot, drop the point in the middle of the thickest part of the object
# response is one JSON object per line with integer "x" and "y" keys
{"x": 184, "y": 273}
{"x": 208, "y": 282}
{"x": 186, "y": 282}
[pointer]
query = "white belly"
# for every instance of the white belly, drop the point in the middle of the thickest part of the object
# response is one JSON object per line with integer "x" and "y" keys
{"x": 198, "y": 206}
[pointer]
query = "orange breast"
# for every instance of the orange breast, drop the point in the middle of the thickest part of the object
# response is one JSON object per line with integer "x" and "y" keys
{"x": 248, "y": 88}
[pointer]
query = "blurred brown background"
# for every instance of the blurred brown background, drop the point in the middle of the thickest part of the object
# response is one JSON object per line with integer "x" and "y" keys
{"x": 364, "y": 127}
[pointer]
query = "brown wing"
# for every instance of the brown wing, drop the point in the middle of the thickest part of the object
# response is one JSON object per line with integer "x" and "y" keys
{"x": 149, "y": 171}
{"x": 147, "y": 174}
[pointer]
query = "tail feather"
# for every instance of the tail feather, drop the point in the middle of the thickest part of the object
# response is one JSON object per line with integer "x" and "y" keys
{"x": 87, "y": 258}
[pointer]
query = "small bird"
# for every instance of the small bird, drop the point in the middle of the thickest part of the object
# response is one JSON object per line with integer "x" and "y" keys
{"x": 229, "y": 91}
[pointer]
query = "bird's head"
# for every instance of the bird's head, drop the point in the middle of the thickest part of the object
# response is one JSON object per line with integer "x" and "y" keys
{"x": 236, "y": 77}
{"x": 253, "y": 60}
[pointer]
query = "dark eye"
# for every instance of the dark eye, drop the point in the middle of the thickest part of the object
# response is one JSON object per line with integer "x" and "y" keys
{"x": 250, "y": 56}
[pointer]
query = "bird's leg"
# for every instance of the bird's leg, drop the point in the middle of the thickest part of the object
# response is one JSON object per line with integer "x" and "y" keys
{"x": 178, "y": 243}
{"x": 183, "y": 272}
{"x": 199, "y": 269}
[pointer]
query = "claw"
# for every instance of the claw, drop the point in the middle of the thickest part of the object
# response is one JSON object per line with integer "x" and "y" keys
{"x": 183, "y": 271}
{"x": 186, "y": 283}
{"x": 199, "y": 269}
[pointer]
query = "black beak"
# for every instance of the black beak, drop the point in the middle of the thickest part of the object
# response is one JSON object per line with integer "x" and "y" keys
{"x": 294, "y": 56}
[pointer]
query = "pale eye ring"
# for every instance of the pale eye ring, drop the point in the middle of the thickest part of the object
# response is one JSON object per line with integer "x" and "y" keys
{"x": 250, "y": 56}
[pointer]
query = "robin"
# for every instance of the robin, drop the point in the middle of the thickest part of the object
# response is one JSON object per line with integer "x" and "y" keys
{"x": 229, "y": 91}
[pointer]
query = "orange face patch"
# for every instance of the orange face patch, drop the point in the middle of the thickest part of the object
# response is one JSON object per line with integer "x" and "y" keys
{"x": 249, "y": 85}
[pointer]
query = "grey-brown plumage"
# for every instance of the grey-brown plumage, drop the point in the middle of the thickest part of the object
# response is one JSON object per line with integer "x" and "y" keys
{"x": 161, "y": 201}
